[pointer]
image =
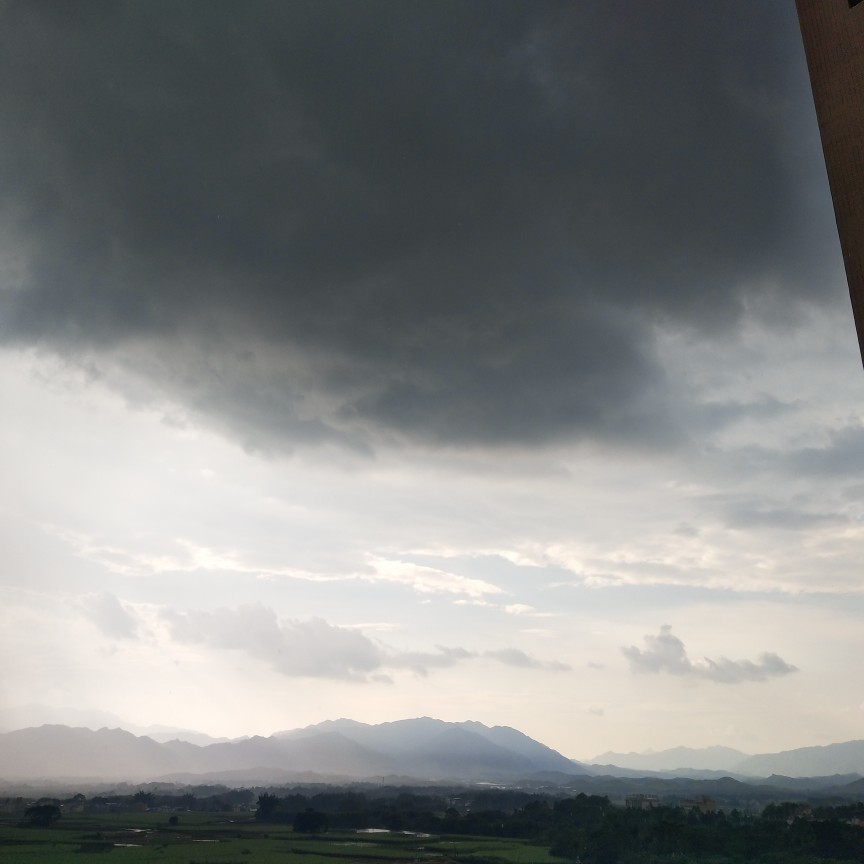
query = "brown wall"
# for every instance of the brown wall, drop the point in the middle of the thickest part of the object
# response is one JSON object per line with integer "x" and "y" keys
{"x": 833, "y": 33}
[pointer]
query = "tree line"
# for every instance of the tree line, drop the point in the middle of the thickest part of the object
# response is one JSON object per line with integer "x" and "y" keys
{"x": 589, "y": 829}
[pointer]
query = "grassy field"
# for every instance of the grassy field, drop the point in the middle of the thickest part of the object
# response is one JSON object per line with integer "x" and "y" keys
{"x": 211, "y": 838}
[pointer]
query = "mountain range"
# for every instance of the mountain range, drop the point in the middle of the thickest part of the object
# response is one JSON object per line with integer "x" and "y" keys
{"x": 822, "y": 761}
{"x": 340, "y": 750}
{"x": 421, "y": 749}
{"x": 677, "y": 758}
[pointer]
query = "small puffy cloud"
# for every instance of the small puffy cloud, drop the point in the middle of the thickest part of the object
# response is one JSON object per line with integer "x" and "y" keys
{"x": 318, "y": 649}
{"x": 110, "y": 615}
{"x": 443, "y": 657}
{"x": 313, "y": 648}
{"x": 665, "y": 652}
{"x": 518, "y": 609}
{"x": 463, "y": 602}
{"x": 428, "y": 580}
{"x": 525, "y": 610}
{"x": 421, "y": 662}
{"x": 727, "y": 671}
{"x": 515, "y": 657}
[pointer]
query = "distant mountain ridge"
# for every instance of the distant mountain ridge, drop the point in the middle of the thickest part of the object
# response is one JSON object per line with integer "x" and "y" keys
{"x": 704, "y": 758}
{"x": 423, "y": 748}
{"x": 845, "y": 758}
{"x": 26, "y": 716}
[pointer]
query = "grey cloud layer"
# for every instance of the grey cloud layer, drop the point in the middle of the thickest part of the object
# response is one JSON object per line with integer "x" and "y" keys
{"x": 313, "y": 648}
{"x": 110, "y": 616}
{"x": 665, "y": 652}
{"x": 452, "y": 222}
{"x": 515, "y": 657}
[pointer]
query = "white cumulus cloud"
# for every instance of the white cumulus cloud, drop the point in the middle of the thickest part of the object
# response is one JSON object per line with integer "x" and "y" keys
{"x": 665, "y": 652}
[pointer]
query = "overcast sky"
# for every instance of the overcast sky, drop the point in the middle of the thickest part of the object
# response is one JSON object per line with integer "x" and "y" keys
{"x": 479, "y": 360}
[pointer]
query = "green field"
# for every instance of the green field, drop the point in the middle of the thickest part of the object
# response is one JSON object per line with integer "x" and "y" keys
{"x": 210, "y": 838}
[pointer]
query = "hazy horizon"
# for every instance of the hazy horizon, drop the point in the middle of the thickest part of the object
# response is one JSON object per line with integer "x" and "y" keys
{"x": 415, "y": 730}
{"x": 31, "y": 716}
{"x": 485, "y": 360}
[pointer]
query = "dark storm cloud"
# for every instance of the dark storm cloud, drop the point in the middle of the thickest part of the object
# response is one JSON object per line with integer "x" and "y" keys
{"x": 709, "y": 416}
{"x": 665, "y": 652}
{"x": 748, "y": 518}
{"x": 752, "y": 512}
{"x": 842, "y": 454}
{"x": 451, "y": 221}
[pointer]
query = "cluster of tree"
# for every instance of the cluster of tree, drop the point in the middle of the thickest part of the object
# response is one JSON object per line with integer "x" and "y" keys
{"x": 41, "y": 815}
{"x": 216, "y": 802}
{"x": 483, "y": 813}
{"x": 589, "y": 829}
{"x": 585, "y": 828}
{"x": 37, "y": 813}
{"x": 596, "y": 833}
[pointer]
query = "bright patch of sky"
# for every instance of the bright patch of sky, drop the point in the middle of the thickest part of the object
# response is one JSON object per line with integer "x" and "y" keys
{"x": 445, "y": 407}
